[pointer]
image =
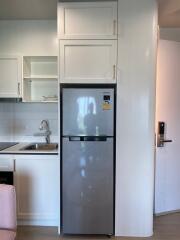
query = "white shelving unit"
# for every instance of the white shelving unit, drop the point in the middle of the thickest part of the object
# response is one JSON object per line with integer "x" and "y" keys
{"x": 40, "y": 80}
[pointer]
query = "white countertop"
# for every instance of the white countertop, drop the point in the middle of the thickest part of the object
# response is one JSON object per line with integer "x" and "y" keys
{"x": 16, "y": 150}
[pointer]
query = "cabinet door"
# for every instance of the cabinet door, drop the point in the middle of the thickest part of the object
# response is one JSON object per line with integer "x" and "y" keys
{"x": 87, "y": 20}
{"x": 10, "y": 76}
{"x": 6, "y": 163}
{"x": 88, "y": 61}
{"x": 37, "y": 186}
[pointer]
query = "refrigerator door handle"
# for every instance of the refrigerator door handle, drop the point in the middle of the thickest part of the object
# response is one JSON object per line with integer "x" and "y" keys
{"x": 74, "y": 138}
{"x": 88, "y": 138}
{"x": 95, "y": 138}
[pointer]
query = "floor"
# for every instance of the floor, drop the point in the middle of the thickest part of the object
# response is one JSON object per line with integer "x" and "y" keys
{"x": 165, "y": 228}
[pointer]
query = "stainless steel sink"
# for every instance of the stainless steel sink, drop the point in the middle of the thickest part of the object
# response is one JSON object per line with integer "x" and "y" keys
{"x": 40, "y": 147}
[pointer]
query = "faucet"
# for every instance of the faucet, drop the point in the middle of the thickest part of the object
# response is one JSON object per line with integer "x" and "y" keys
{"x": 44, "y": 126}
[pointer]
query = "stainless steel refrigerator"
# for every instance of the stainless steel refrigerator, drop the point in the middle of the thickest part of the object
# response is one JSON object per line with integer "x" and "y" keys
{"x": 87, "y": 158}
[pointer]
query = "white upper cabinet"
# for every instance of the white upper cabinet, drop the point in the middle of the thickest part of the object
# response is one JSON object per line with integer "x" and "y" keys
{"x": 87, "y": 20}
{"x": 10, "y": 76}
{"x": 88, "y": 61}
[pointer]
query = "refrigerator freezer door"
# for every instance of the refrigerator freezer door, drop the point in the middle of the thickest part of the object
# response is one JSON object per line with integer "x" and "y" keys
{"x": 88, "y": 111}
{"x": 87, "y": 187}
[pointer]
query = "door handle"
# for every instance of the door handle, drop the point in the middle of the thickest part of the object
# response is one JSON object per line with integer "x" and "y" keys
{"x": 88, "y": 138}
{"x": 165, "y": 141}
{"x": 114, "y": 27}
{"x": 160, "y": 138}
{"x": 160, "y": 142}
{"x": 114, "y": 72}
{"x": 74, "y": 138}
{"x": 19, "y": 91}
{"x": 95, "y": 139}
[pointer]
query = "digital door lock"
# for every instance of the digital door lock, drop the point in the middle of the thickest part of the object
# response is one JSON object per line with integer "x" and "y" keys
{"x": 161, "y": 138}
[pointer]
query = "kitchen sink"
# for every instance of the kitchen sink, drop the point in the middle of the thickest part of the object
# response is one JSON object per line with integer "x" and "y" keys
{"x": 40, "y": 147}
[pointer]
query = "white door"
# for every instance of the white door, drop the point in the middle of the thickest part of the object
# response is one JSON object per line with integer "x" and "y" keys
{"x": 87, "y": 20}
{"x": 10, "y": 76}
{"x": 88, "y": 61}
{"x": 167, "y": 177}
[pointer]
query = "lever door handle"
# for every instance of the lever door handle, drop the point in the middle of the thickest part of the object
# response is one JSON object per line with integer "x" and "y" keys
{"x": 161, "y": 141}
{"x": 165, "y": 141}
{"x": 160, "y": 137}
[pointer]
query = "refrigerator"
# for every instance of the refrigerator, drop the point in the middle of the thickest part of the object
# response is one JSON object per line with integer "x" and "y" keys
{"x": 87, "y": 158}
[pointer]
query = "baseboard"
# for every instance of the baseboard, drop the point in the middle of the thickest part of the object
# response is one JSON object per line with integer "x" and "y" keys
{"x": 46, "y": 223}
{"x": 167, "y": 212}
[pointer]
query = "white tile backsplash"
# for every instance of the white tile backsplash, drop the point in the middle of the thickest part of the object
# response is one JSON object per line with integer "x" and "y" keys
{"x": 6, "y": 121}
{"x": 19, "y": 121}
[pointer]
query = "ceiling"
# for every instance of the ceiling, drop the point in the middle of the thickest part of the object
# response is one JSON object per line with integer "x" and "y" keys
{"x": 169, "y": 13}
{"x": 169, "y": 10}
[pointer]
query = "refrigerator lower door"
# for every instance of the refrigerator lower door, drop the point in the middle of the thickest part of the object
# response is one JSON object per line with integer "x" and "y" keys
{"x": 88, "y": 187}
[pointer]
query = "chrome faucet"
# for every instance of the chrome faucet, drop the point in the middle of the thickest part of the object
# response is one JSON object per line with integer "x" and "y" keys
{"x": 44, "y": 126}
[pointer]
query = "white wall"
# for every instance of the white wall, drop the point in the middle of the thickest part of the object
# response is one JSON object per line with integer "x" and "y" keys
{"x": 135, "y": 117}
{"x": 30, "y": 37}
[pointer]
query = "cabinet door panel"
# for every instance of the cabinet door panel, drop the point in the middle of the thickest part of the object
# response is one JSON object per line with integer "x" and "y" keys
{"x": 92, "y": 61}
{"x": 87, "y": 20}
{"x": 6, "y": 163}
{"x": 10, "y": 76}
{"x": 37, "y": 186}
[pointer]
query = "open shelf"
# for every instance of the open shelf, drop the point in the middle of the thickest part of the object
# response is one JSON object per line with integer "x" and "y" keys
{"x": 40, "y": 80}
{"x": 41, "y": 77}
